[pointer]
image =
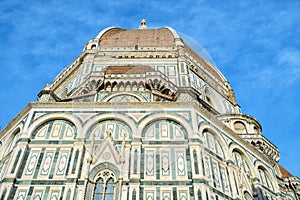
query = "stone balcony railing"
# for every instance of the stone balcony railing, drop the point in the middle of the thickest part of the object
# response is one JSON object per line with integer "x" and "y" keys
{"x": 263, "y": 145}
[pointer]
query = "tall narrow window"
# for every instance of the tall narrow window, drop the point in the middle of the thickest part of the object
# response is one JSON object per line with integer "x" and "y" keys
{"x": 109, "y": 192}
{"x": 265, "y": 179}
{"x": 75, "y": 161}
{"x": 196, "y": 162}
{"x": 134, "y": 195}
{"x": 4, "y": 193}
{"x": 99, "y": 189}
{"x": 207, "y": 197}
{"x": 16, "y": 162}
{"x": 135, "y": 162}
{"x": 199, "y": 195}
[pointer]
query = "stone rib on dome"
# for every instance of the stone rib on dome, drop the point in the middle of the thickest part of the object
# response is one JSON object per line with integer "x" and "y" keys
{"x": 212, "y": 70}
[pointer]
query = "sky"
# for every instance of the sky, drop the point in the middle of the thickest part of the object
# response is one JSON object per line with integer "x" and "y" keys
{"x": 255, "y": 44}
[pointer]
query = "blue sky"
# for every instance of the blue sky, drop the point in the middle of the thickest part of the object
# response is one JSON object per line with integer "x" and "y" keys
{"x": 255, "y": 44}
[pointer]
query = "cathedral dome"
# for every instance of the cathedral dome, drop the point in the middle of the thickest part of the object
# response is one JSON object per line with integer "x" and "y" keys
{"x": 165, "y": 38}
{"x": 149, "y": 59}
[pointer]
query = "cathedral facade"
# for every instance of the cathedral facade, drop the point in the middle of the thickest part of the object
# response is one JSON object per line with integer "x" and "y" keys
{"x": 139, "y": 115}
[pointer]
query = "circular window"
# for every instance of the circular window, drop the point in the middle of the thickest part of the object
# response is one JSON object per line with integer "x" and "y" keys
{"x": 239, "y": 127}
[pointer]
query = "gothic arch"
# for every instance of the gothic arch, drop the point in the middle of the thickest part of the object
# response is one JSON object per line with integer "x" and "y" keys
{"x": 164, "y": 116}
{"x": 103, "y": 170}
{"x": 54, "y": 116}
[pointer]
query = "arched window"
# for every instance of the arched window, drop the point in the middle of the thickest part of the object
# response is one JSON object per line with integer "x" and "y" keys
{"x": 104, "y": 189}
{"x": 265, "y": 178}
{"x": 213, "y": 144}
{"x": 242, "y": 176}
{"x": 240, "y": 162}
{"x": 109, "y": 192}
{"x": 239, "y": 127}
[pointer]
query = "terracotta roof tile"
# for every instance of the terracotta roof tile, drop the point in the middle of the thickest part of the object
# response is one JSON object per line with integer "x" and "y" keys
{"x": 127, "y": 69}
{"x": 143, "y": 37}
{"x": 284, "y": 172}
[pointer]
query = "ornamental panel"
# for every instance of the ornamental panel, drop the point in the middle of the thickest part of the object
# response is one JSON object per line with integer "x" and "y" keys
{"x": 224, "y": 179}
{"x": 180, "y": 163}
{"x": 216, "y": 177}
{"x": 54, "y": 195}
{"x": 38, "y": 195}
{"x": 62, "y": 164}
{"x": 32, "y": 163}
{"x": 149, "y": 195}
{"x": 46, "y": 166}
{"x": 150, "y": 162}
{"x": 165, "y": 163}
{"x": 56, "y": 128}
{"x": 166, "y": 195}
{"x": 183, "y": 195}
{"x": 22, "y": 195}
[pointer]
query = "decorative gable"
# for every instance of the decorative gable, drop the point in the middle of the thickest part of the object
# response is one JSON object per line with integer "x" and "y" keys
{"x": 107, "y": 152}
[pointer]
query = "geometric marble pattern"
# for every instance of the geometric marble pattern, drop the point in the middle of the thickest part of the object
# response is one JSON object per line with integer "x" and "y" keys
{"x": 32, "y": 163}
{"x": 47, "y": 163}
